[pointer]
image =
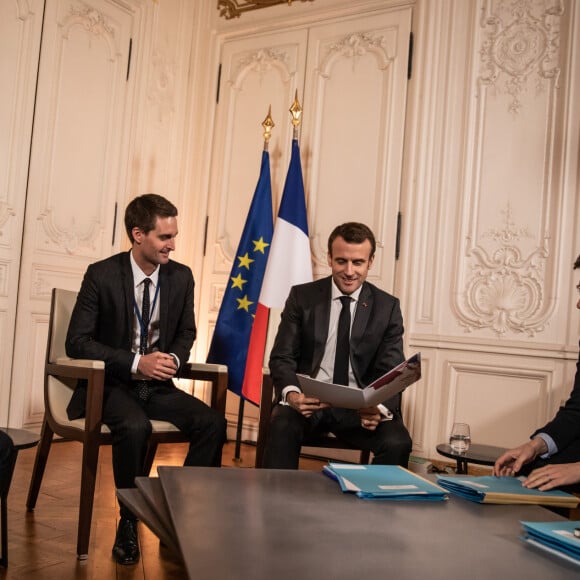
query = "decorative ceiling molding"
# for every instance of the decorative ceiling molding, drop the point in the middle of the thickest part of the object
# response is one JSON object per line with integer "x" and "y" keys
{"x": 234, "y": 8}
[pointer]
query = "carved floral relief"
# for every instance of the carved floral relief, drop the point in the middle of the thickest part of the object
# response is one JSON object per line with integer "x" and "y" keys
{"x": 520, "y": 46}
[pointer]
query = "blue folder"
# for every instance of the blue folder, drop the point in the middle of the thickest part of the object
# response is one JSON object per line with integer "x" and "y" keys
{"x": 555, "y": 537}
{"x": 385, "y": 482}
{"x": 504, "y": 490}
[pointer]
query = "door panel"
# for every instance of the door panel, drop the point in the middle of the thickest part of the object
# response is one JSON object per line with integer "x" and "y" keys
{"x": 77, "y": 166}
{"x": 354, "y": 114}
{"x": 20, "y": 33}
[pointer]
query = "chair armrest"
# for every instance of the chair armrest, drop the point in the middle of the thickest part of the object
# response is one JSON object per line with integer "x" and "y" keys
{"x": 80, "y": 362}
{"x": 75, "y": 368}
{"x": 216, "y": 374}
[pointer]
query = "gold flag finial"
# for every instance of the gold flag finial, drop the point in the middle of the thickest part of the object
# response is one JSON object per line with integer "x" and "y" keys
{"x": 268, "y": 125}
{"x": 296, "y": 112}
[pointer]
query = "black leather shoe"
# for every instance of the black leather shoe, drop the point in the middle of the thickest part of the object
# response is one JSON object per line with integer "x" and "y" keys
{"x": 126, "y": 548}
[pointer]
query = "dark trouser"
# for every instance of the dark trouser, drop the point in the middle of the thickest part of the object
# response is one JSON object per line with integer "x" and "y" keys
{"x": 128, "y": 419}
{"x": 390, "y": 442}
{"x": 570, "y": 454}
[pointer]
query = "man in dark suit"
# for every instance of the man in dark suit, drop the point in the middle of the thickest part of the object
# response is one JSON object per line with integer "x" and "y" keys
{"x": 307, "y": 343}
{"x": 552, "y": 456}
{"x": 135, "y": 311}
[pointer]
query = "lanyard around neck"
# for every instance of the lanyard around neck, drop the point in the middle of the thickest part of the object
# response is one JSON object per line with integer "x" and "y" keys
{"x": 138, "y": 311}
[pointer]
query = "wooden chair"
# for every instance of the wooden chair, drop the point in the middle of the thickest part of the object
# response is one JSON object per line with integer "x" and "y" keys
{"x": 60, "y": 378}
{"x": 327, "y": 441}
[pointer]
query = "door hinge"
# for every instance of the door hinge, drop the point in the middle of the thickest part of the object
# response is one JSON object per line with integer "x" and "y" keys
{"x": 398, "y": 238}
{"x": 205, "y": 235}
{"x": 410, "y": 61}
{"x": 114, "y": 225}
{"x": 129, "y": 58}
{"x": 219, "y": 78}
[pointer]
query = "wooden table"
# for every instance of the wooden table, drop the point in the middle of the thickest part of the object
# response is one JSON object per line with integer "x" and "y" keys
{"x": 21, "y": 439}
{"x": 478, "y": 454}
{"x": 263, "y": 524}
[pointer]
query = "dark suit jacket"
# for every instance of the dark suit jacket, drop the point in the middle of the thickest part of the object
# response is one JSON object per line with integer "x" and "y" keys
{"x": 101, "y": 324}
{"x": 564, "y": 428}
{"x": 376, "y": 340}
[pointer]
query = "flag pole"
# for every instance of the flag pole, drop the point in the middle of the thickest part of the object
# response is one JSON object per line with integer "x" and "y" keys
{"x": 268, "y": 125}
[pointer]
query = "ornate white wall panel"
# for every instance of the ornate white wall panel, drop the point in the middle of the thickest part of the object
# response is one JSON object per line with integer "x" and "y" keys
{"x": 503, "y": 398}
{"x": 491, "y": 183}
{"x": 77, "y": 168}
{"x": 257, "y": 72}
{"x": 507, "y": 279}
{"x": 353, "y": 130}
{"x": 20, "y": 30}
{"x": 79, "y": 110}
{"x": 34, "y": 373}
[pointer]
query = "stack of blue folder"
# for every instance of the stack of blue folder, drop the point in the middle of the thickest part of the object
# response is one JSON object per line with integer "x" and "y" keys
{"x": 386, "y": 482}
{"x": 504, "y": 490}
{"x": 555, "y": 537}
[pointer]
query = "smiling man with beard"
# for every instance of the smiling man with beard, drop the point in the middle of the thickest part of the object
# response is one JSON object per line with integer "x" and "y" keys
{"x": 341, "y": 330}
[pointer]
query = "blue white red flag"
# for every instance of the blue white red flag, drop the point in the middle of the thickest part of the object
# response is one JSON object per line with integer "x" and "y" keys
{"x": 231, "y": 336}
{"x": 289, "y": 263}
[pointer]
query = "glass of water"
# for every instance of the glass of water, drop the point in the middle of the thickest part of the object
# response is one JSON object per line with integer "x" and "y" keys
{"x": 460, "y": 437}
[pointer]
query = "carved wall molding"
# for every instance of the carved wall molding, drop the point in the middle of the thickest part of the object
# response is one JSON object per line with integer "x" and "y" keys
{"x": 356, "y": 45}
{"x": 4, "y": 276}
{"x": 504, "y": 291}
{"x": 161, "y": 92}
{"x": 70, "y": 239}
{"x": 92, "y": 21}
{"x": 520, "y": 46}
{"x": 260, "y": 62}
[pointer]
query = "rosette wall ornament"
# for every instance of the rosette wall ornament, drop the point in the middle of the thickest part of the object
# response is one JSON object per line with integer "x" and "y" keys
{"x": 234, "y": 8}
{"x": 520, "y": 47}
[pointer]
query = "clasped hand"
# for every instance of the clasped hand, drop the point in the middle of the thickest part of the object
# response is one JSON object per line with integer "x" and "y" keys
{"x": 157, "y": 365}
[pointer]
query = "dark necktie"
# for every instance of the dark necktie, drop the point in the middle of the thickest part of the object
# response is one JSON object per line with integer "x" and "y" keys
{"x": 145, "y": 316}
{"x": 340, "y": 376}
{"x": 142, "y": 387}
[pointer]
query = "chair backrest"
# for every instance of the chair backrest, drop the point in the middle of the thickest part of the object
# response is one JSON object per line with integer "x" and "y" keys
{"x": 63, "y": 302}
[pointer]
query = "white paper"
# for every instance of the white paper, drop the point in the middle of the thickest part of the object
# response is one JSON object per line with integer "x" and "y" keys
{"x": 385, "y": 387}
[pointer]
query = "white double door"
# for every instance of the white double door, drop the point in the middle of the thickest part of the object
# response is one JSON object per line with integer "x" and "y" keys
{"x": 64, "y": 91}
{"x": 350, "y": 75}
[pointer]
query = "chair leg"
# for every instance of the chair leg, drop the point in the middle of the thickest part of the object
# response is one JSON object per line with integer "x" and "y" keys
{"x": 149, "y": 457}
{"x": 42, "y": 452}
{"x": 365, "y": 456}
{"x": 88, "y": 478}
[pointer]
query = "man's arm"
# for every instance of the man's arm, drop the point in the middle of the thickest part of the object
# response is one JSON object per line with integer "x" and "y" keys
{"x": 84, "y": 329}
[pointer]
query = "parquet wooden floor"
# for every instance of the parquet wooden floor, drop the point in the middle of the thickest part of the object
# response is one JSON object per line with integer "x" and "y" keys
{"x": 42, "y": 544}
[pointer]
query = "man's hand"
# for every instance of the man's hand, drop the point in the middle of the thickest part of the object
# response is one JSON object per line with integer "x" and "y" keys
{"x": 370, "y": 417}
{"x": 514, "y": 459}
{"x": 157, "y": 365}
{"x": 551, "y": 476}
{"x": 303, "y": 404}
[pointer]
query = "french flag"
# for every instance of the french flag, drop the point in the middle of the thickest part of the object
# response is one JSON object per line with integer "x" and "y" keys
{"x": 288, "y": 264}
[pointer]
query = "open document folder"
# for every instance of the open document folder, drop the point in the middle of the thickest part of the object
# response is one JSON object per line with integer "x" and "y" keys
{"x": 390, "y": 482}
{"x": 504, "y": 490}
{"x": 555, "y": 537}
{"x": 385, "y": 387}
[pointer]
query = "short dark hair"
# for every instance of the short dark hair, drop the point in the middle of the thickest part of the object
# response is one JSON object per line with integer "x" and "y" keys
{"x": 577, "y": 262}
{"x": 143, "y": 211}
{"x": 352, "y": 233}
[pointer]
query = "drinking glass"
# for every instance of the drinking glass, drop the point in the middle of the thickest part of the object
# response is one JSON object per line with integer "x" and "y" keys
{"x": 460, "y": 437}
